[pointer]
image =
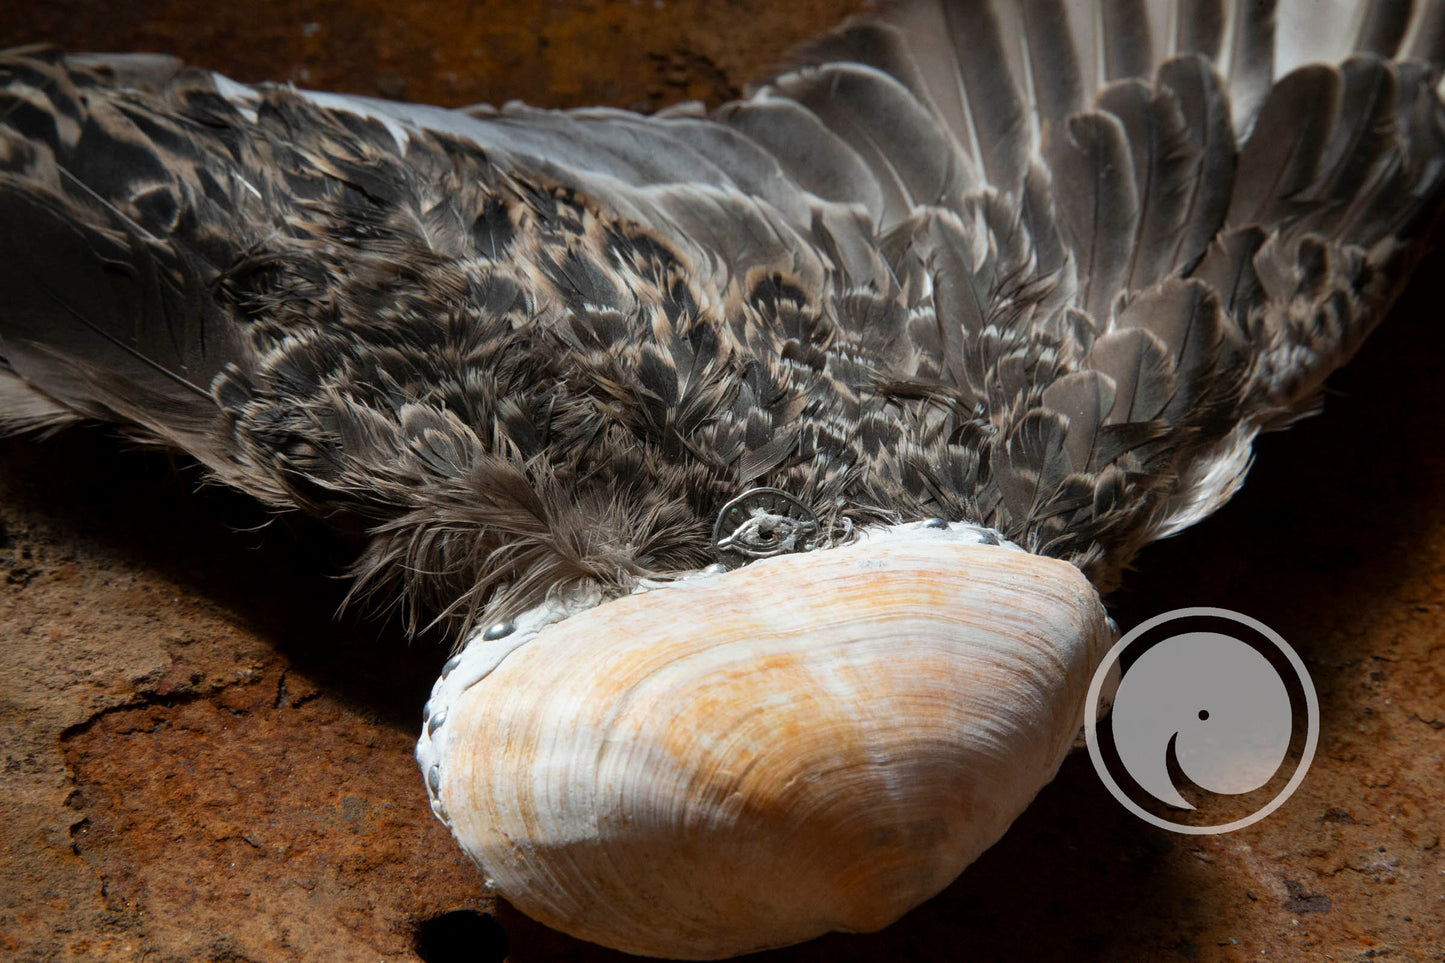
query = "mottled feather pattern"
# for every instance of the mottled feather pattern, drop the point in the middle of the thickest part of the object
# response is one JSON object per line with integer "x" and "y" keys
{"x": 961, "y": 261}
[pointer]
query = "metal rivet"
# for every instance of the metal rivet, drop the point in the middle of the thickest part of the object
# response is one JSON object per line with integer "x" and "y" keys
{"x": 716, "y": 568}
{"x": 436, "y": 722}
{"x": 434, "y": 779}
{"x": 935, "y": 523}
{"x": 497, "y": 631}
{"x": 451, "y": 664}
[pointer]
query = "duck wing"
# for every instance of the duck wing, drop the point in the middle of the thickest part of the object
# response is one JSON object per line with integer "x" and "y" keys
{"x": 1048, "y": 266}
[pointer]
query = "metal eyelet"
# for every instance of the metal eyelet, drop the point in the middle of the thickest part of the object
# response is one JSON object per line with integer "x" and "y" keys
{"x": 762, "y": 523}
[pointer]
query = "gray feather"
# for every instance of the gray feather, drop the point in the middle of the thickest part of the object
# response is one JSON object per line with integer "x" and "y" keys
{"x": 1196, "y": 89}
{"x": 1128, "y": 43}
{"x": 1141, "y": 369}
{"x": 1363, "y": 135}
{"x": 1382, "y": 27}
{"x": 889, "y": 130}
{"x": 1085, "y": 398}
{"x": 963, "y": 61}
{"x": 1166, "y": 163}
{"x": 1200, "y": 28}
{"x": 1057, "y": 76}
{"x": 815, "y": 158}
{"x": 1249, "y": 54}
{"x": 1295, "y": 125}
{"x": 1097, "y": 203}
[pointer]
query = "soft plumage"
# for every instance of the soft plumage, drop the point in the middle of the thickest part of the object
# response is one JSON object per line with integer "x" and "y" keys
{"x": 1044, "y": 267}
{"x": 526, "y": 347}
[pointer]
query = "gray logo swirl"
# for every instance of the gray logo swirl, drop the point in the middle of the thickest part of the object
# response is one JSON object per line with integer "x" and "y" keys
{"x": 1211, "y": 702}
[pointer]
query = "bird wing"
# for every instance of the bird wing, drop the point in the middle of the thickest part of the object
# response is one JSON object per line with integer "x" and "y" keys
{"x": 1047, "y": 266}
{"x": 1219, "y": 200}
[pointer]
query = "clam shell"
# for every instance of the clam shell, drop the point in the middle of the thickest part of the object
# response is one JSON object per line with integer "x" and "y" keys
{"x": 814, "y": 742}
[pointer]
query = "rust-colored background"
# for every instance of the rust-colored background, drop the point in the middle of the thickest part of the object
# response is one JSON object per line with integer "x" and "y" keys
{"x": 199, "y": 763}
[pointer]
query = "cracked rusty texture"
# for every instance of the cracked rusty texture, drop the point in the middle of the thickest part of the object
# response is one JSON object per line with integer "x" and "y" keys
{"x": 198, "y": 763}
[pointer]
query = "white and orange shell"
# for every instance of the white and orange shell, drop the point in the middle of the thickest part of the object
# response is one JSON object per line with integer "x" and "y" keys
{"x": 747, "y": 759}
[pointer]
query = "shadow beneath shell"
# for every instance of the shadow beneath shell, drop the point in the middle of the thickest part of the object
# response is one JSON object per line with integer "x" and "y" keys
{"x": 461, "y": 936}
